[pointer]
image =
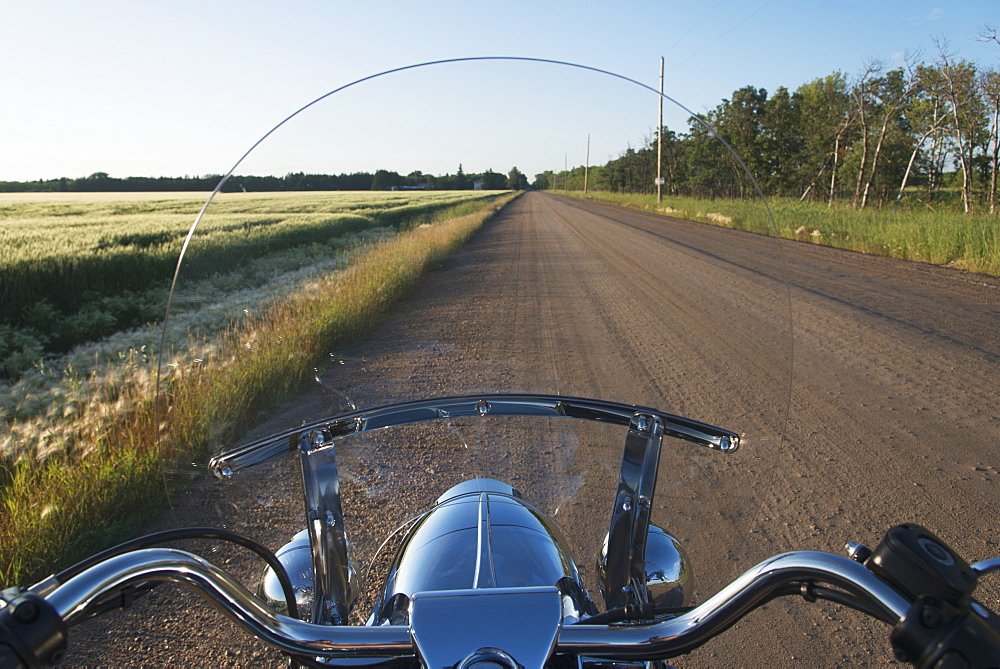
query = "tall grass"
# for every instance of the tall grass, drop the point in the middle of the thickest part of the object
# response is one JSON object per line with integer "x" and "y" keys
{"x": 50, "y": 511}
{"x": 939, "y": 237}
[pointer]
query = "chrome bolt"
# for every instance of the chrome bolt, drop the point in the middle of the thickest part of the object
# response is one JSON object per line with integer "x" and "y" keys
{"x": 857, "y": 551}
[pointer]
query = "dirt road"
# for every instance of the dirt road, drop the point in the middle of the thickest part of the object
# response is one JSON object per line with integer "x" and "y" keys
{"x": 893, "y": 413}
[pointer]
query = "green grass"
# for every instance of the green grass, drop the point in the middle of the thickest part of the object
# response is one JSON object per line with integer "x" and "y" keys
{"x": 110, "y": 468}
{"x": 79, "y": 268}
{"x": 940, "y": 237}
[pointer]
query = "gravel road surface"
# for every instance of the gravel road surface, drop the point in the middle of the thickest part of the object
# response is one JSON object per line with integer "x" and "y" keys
{"x": 892, "y": 415}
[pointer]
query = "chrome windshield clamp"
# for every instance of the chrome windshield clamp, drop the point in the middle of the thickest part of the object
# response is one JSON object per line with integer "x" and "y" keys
{"x": 335, "y": 590}
{"x": 622, "y": 565}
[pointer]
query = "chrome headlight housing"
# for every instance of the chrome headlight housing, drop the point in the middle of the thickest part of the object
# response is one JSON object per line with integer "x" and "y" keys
{"x": 669, "y": 579}
{"x": 297, "y": 560}
{"x": 667, "y": 572}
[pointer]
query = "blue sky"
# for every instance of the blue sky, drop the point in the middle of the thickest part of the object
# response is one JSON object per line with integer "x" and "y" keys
{"x": 155, "y": 88}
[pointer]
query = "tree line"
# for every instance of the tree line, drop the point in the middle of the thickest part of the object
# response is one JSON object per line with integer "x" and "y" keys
{"x": 102, "y": 182}
{"x": 864, "y": 139}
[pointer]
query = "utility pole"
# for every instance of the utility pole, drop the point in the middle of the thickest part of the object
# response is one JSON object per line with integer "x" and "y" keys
{"x": 566, "y": 172}
{"x": 659, "y": 143}
{"x": 586, "y": 167}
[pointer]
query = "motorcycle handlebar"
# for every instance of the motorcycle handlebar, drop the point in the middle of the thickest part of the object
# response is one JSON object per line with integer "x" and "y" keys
{"x": 230, "y": 597}
{"x": 660, "y": 639}
{"x": 753, "y": 588}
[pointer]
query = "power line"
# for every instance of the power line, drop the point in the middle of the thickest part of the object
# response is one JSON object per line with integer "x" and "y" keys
{"x": 694, "y": 25}
{"x": 719, "y": 37}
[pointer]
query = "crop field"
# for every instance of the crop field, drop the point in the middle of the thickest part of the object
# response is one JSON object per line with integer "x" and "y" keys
{"x": 84, "y": 281}
{"x": 77, "y": 268}
{"x": 83, "y": 276}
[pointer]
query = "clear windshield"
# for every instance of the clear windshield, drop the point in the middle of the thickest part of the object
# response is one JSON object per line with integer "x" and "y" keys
{"x": 294, "y": 305}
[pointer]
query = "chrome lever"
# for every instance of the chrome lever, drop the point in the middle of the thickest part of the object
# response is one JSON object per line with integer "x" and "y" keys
{"x": 984, "y": 567}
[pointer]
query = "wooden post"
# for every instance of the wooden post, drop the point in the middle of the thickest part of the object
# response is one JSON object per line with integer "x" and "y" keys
{"x": 659, "y": 143}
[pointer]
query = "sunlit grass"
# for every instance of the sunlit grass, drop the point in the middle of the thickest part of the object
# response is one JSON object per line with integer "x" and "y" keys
{"x": 939, "y": 237}
{"x": 74, "y": 269}
{"x": 44, "y": 410}
{"x": 92, "y": 474}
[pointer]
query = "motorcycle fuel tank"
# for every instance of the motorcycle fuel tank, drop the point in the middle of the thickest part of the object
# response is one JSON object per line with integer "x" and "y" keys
{"x": 481, "y": 534}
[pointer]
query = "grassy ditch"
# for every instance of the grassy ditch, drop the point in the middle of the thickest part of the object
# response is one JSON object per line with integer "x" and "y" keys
{"x": 49, "y": 506}
{"x": 939, "y": 237}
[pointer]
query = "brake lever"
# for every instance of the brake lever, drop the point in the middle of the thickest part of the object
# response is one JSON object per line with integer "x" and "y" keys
{"x": 984, "y": 567}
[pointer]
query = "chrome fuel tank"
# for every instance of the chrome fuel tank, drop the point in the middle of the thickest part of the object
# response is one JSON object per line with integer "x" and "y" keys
{"x": 481, "y": 534}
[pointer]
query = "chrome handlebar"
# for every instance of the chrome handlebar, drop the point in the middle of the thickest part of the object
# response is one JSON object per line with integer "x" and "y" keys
{"x": 659, "y": 639}
{"x": 230, "y": 597}
{"x": 754, "y": 587}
